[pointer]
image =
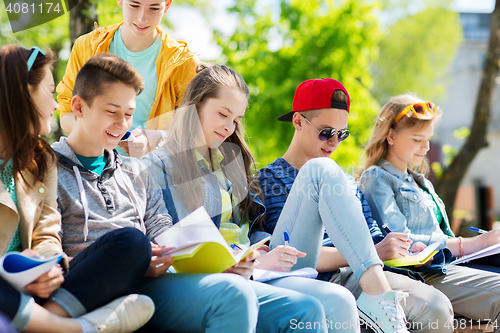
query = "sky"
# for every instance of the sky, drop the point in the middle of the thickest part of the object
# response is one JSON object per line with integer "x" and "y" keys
{"x": 190, "y": 25}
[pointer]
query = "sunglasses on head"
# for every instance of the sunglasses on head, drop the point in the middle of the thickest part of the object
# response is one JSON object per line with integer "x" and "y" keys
{"x": 327, "y": 133}
{"x": 31, "y": 60}
{"x": 425, "y": 110}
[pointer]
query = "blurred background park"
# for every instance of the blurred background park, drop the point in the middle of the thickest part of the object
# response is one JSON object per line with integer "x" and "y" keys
{"x": 377, "y": 48}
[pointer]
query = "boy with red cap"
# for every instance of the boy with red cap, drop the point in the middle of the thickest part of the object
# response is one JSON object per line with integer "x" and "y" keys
{"x": 306, "y": 192}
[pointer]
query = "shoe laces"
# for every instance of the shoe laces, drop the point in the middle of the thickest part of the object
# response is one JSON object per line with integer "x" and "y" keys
{"x": 395, "y": 311}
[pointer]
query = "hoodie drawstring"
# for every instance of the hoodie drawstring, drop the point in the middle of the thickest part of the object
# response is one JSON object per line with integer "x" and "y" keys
{"x": 132, "y": 197}
{"x": 83, "y": 199}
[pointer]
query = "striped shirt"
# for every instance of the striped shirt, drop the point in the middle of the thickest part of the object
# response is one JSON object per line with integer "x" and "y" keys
{"x": 276, "y": 180}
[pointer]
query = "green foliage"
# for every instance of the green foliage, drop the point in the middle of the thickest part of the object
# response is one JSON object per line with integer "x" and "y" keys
{"x": 417, "y": 50}
{"x": 461, "y": 133}
{"x": 310, "y": 39}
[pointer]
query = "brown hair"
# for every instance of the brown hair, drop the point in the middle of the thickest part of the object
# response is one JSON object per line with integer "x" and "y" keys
{"x": 185, "y": 130}
{"x": 378, "y": 147}
{"x": 102, "y": 70}
{"x": 19, "y": 116}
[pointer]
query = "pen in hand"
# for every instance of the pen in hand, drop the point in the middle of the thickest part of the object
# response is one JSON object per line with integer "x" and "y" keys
{"x": 236, "y": 247}
{"x": 387, "y": 230}
{"x": 481, "y": 231}
{"x": 287, "y": 237}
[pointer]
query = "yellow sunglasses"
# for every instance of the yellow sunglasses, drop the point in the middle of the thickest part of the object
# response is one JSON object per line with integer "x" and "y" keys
{"x": 425, "y": 110}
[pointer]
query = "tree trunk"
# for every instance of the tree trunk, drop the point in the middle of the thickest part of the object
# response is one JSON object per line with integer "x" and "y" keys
{"x": 448, "y": 184}
{"x": 82, "y": 18}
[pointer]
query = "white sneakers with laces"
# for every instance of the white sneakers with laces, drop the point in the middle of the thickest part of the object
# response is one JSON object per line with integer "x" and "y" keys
{"x": 384, "y": 313}
{"x": 125, "y": 314}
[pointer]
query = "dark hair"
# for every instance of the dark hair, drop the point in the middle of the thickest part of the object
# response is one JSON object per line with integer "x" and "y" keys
{"x": 102, "y": 70}
{"x": 19, "y": 117}
{"x": 207, "y": 83}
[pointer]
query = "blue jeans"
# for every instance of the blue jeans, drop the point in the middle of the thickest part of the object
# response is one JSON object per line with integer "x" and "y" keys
{"x": 337, "y": 301}
{"x": 321, "y": 198}
{"x": 225, "y": 303}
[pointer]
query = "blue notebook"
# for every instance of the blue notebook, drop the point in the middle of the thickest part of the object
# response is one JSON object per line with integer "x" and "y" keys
{"x": 20, "y": 270}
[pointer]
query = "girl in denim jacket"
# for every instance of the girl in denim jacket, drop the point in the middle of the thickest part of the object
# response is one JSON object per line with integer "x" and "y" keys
{"x": 206, "y": 162}
{"x": 401, "y": 198}
{"x": 393, "y": 178}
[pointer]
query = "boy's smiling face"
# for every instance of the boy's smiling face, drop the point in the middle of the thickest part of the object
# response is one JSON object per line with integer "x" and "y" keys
{"x": 102, "y": 124}
{"x": 141, "y": 17}
{"x": 312, "y": 146}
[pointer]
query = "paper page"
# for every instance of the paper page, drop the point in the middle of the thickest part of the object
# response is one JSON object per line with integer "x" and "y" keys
{"x": 263, "y": 275}
{"x": 428, "y": 250}
{"x": 494, "y": 249}
{"x": 415, "y": 258}
{"x": 196, "y": 228}
{"x": 20, "y": 270}
{"x": 241, "y": 255}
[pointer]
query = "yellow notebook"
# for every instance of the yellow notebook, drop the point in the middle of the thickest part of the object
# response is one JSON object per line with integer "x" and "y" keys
{"x": 199, "y": 247}
{"x": 415, "y": 259}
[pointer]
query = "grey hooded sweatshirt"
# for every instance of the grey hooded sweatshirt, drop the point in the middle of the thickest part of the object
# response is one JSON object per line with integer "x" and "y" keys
{"x": 125, "y": 195}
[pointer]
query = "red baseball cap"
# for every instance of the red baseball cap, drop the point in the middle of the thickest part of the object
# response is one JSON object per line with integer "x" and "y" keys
{"x": 316, "y": 94}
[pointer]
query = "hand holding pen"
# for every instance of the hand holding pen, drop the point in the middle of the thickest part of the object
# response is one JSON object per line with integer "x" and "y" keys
{"x": 282, "y": 257}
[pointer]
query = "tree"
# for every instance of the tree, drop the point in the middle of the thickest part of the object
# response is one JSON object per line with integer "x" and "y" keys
{"x": 307, "y": 39}
{"x": 447, "y": 185}
{"x": 82, "y": 17}
{"x": 416, "y": 51}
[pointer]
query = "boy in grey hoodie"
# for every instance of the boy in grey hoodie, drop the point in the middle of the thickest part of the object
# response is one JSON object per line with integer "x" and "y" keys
{"x": 102, "y": 193}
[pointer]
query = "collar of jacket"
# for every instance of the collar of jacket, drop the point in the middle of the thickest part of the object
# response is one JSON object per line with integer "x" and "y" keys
{"x": 389, "y": 167}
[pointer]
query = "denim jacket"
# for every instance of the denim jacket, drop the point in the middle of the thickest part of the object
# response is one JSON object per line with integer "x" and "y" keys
{"x": 397, "y": 202}
{"x": 160, "y": 166}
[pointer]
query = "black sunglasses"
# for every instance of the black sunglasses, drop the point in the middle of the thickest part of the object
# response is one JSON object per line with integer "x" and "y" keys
{"x": 327, "y": 133}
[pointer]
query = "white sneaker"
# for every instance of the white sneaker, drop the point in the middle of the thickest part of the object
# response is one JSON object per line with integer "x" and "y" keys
{"x": 384, "y": 314}
{"x": 125, "y": 314}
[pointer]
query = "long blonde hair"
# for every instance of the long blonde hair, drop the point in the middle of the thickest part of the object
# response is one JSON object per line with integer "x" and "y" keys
{"x": 377, "y": 148}
{"x": 185, "y": 135}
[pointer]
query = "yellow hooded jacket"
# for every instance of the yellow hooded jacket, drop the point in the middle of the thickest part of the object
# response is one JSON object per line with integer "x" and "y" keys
{"x": 175, "y": 67}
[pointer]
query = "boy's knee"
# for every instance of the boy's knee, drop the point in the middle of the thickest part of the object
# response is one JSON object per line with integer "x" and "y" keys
{"x": 132, "y": 242}
{"x": 441, "y": 308}
{"x": 322, "y": 166}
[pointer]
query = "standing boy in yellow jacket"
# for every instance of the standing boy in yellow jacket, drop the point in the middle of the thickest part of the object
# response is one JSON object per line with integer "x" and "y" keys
{"x": 166, "y": 65}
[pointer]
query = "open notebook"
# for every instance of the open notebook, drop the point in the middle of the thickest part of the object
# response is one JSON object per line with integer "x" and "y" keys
{"x": 418, "y": 258}
{"x": 20, "y": 270}
{"x": 199, "y": 247}
{"x": 494, "y": 249}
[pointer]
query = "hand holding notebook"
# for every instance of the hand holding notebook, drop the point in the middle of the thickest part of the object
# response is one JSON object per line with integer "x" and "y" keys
{"x": 19, "y": 270}
{"x": 418, "y": 258}
{"x": 199, "y": 247}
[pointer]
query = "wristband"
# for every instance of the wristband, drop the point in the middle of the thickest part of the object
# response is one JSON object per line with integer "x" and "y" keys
{"x": 460, "y": 247}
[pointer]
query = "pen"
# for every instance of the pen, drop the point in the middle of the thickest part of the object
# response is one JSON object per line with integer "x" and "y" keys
{"x": 481, "y": 231}
{"x": 387, "y": 230}
{"x": 235, "y": 247}
{"x": 287, "y": 237}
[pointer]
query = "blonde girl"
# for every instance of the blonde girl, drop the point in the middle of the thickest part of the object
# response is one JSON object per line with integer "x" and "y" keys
{"x": 393, "y": 179}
